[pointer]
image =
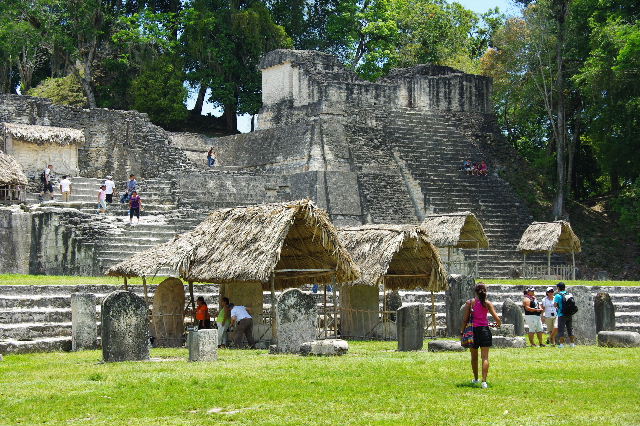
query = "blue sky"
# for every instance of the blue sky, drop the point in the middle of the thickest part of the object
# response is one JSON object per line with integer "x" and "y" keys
{"x": 478, "y": 6}
{"x": 481, "y": 6}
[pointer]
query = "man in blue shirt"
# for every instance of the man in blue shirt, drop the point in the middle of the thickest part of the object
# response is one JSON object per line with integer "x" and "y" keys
{"x": 565, "y": 322}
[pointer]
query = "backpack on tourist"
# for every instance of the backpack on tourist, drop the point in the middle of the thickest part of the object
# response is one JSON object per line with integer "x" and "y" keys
{"x": 569, "y": 306}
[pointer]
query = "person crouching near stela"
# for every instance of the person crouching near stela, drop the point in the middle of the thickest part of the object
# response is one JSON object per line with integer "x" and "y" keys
{"x": 478, "y": 308}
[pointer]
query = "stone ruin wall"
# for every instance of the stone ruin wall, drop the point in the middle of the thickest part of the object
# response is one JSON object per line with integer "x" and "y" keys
{"x": 117, "y": 142}
{"x": 300, "y": 84}
{"x": 47, "y": 241}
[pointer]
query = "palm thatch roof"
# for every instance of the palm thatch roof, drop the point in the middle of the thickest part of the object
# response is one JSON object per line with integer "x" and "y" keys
{"x": 250, "y": 244}
{"x": 556, "y": 237}
{"x": 400, "y": 254}
{"x": 44, "y": 134}
{"x": 461, "y": 230}
{"x": 10, "y": 171}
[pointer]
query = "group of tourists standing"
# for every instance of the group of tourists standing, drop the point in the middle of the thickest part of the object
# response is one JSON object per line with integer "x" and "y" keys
{"x": 556, "y": 309}
{"x": 105, "y": 194}
{"x": 230, "y": 316}
{"x": 130, "y": 197}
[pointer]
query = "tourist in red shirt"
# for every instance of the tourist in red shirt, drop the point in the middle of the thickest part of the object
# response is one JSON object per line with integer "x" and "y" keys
{"x": 202, "y": 314}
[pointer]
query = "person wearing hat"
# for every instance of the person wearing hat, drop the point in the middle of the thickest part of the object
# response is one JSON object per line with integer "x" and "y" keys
{"x": 109, "y": 185}
{"x": 532, "y": 311}
{"x": 550, "y": 315}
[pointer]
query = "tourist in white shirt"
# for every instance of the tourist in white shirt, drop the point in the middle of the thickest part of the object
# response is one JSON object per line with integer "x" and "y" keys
{"x": 109, "y": 186}
{"x": 243, "y": 323}
{"x": 65, "y": 189}
{"x": 550, "y": 316}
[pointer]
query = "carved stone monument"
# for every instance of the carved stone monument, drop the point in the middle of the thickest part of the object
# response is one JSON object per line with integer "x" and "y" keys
{"x": 584, "y": 322}
{"x": 512, "y": 314}
{"x": 168, "y": 314}
{"x": 84, "y": 332}
{"x": 125, "y": 327}
{"x": 605, "y": 312}
{"x": 203, "y": 345}
{"x": 296, "y": 320}
{"x": 411, "y": 321}
{"x": 461, "y": 288}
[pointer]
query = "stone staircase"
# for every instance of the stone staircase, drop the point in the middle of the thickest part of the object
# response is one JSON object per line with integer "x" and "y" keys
{"x": 433, "y": 149}
{"x": 38, "y": 318}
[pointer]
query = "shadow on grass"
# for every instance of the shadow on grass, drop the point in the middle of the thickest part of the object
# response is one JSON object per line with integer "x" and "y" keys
{"x": 468, "y": 385}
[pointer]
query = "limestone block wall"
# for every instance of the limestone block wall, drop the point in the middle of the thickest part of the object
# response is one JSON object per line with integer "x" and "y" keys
{"x": 47, "y": 241}
{"x": 35, "y": 157}
{"x": 116, "y": 142}
{"x": 307, "y": 83}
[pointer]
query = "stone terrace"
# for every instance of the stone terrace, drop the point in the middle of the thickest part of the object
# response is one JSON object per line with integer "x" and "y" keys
{"x": 38, "y": 318}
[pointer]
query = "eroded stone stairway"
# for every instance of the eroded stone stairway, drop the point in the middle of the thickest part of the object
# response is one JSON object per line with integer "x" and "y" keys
{"x": 432, "y": 149}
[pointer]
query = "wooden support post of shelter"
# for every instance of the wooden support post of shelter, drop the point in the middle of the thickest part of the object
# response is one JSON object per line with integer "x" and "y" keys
{"x": 325, "y": 311}
{"x": 335, "y": 306}
{"x": 146, "y": 292}
{"x": 126, "y": 286}
{"x": 573, "y": 265}
{"x": 433, "y": 314}
{"x": 548, "y": 262}
{"x": 384, "y": 309}
{"x": 193, "y": 302}
{"x": 273, "y": 310}
{"x": 477, "y": 259}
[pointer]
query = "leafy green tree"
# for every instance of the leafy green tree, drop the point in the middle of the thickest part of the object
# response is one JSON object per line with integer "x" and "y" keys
{"x": 62, "y": 90}
{"x": 223, "y": 42}
{"x": 159, "y": 91}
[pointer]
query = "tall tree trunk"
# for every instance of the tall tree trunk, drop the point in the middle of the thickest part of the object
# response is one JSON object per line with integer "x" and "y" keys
{"x": 562, "y": 7}
{"x": 231, "y": 118}
{"x": 573, "y": 146}
{"x": 615, "y": 180}
{"x": 197, "y": 108}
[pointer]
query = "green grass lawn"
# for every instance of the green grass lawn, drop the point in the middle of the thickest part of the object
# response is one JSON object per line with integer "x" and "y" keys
{"x": 372, "y": 384}
{"x": 17, "y": 279}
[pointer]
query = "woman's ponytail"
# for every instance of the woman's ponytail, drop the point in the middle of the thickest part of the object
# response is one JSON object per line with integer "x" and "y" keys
{"x": 481, "y": 291}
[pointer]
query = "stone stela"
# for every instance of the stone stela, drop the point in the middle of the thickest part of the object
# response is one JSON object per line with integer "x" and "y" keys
{"x": 296, "y": 320}
{"x": 125, "y": 327}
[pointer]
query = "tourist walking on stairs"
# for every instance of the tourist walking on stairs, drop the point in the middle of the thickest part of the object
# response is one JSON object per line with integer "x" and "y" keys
{"x": 110, "y": 185}
{"x": 102, "y": 197}
{"x": 477, "y": 310}
{"x": 65, "y": 189}
{"x": 135, "y": 204}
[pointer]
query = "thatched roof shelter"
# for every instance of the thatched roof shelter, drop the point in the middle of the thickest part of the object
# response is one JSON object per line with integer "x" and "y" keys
{"x": 554, "y": 237}
{"x": 293, "y": 242}
{"x": 399, "y": 255}
{"x": 550, "y": 237}
{"x": 460, "y": 230}
{"x": 44, "y": 134}
{"x": 10, "y": 171}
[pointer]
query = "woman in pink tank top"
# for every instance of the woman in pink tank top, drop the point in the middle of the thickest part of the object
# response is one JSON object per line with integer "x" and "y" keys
{"x": 477, "y": 310}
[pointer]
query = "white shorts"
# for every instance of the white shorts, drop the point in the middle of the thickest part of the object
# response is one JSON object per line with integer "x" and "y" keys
{"x": 551, "y": 323}
{"x": 534, "y": 323}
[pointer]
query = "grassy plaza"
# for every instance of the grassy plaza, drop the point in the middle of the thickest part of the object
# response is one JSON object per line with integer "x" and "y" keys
{"x": 372, "y": 384}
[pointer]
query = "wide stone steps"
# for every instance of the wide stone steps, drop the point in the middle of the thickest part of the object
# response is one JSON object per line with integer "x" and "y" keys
{"x": 37, "y": 318}
{"x": 433, "y": 148}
